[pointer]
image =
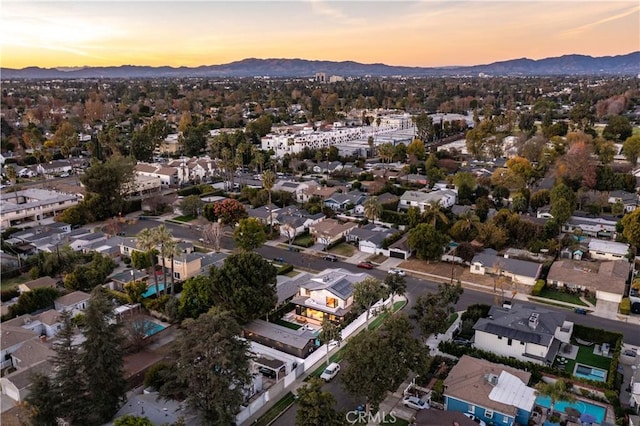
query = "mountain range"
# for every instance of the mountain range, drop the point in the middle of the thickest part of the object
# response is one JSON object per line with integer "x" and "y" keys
{"x": 628, "y": 64}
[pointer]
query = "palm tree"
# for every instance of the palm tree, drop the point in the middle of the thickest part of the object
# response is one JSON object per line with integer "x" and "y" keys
{"x": 467, "y": 225}
{"x": 164, "y": 238}
{"x": 434, "y": 213}
{"x": 146, "y": 241}
{"x": 171, "y": 249}
{"x": 556, "y": 391}
{"x": 268, "y": 180}
{"x": 372, "y": 208}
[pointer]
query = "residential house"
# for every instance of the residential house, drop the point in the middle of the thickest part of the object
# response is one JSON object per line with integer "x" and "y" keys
{"x": 494, "y": 393}
{"x": 75, "y": 301}
{"x": 607, "y": 280}
{"x": 16, "y": 385}
{"x": 301, "y": 191}
{"x": 128, "y": 246}
{"x": 31, "y": 353}
{"x": 121, "y": 279}
{"x": 265, "y": 214}
{"x": 299, "y": 343}
{"x": 524, "y": 332}
{"x": 294, "y": 221}
{"x": 369, "y": 238}
{"x": 328, "y": 295}
{"x": 41, "y": 282}
{"x": 54, "y": 168}
{"x": 596, "y": 227}
{"x": 109, "y": 247}
{"x": 445, "y": 197}
{"x": 79, "y": 242}
{"x": 46, "y": 323}
{"x": 521, "y": 271}
{"x": 628, "y": 199}
{"x": 330, "y": 231}
{"x": 14, "y": 336}
{"x": 189, "y": 265}
{"x": 400, "y": 249}
{"x": 388, "y": 198}
{"x": 416, "y": 179}
{"x": 168, "y": 175}
{"x": 608, "y": 250}
{"x": 340, "y": 201}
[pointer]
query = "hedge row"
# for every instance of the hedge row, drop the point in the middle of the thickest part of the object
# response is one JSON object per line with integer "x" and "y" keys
{"x": 285, "y": 269}
{"x": 537, "y": 288}
{"x": 625, "y": 306}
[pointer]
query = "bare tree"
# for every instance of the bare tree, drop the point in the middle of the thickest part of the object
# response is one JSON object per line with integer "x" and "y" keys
{"x": 212, "y": 235}
{"x": 136, "y": 330}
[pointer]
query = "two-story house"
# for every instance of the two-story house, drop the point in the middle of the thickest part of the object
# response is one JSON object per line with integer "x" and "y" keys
{"x": 525, "y": 332}
{"x": 328, "y": 295}
{"x": 494, "y": 393}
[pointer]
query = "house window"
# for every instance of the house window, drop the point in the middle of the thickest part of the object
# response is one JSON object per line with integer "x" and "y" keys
{"x": 505, "y": 419}
{"x": 509, "y": 342}
{"x": 472, "y": 408}
{"x": 477, "y": 267}
{"x": 176, "y": 275}
{"x": 488, "y": 414}
{"x": 332, "y": 302}
{"x": 522, "y": 343}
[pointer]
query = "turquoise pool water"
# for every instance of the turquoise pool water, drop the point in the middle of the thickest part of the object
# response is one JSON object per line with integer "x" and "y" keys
{"x": 150, "y": 327}
{"x": 598, "y": 412}
{"x": 591, "y": 373}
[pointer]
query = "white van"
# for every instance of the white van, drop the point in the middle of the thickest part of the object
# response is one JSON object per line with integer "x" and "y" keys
{"x": 330, "y": 372}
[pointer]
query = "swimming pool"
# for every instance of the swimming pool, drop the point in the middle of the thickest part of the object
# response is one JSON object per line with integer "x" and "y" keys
{"x": 590, "y": 373}
{"x": 598, "y": 412}
{"x": 150, "y": 327}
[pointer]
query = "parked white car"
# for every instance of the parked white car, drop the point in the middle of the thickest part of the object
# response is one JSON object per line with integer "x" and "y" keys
{"x": 396, "y": 271}
{"x": 330, "y": 372}
{"x": 414, "y": 402}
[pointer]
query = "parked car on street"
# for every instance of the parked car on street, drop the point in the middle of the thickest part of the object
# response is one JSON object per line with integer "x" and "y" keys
{"x": 366, "y": 265}
{"x": 330, "y": 258}
{"x": 330, "y": 372}
{"x": 396, "y": 271}
{"x": 414, "y": 402}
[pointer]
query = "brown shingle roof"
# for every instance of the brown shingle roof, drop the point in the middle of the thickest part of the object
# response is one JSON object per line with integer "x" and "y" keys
{"x": 467, "y": 381}
{"x": 72, "y": 298}
{"x": 605, "y": 276}
{"x": 40, "y": 283}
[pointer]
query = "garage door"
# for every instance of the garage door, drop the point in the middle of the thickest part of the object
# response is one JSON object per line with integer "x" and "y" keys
{"x": 397, "y": 254}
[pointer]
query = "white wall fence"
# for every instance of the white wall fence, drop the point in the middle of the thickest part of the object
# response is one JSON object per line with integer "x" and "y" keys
{"x": 278, "y": 389}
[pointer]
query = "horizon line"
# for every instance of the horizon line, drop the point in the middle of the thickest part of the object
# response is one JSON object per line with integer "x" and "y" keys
{"x": 79, "y": 67}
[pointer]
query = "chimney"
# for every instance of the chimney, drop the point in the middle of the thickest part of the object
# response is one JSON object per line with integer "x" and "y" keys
{"x": 533, "y": 320}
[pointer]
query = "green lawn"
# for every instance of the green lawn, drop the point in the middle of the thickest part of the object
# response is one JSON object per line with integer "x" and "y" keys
{"x": 287, "y": 324}
{"x": 586, "y": 357}
{"x": 343, "y": 249}
{"x": 184, "y": 219}
{"x": 304, "y": 240}
{"x": 452, "y": 319}
{"x": 561, "y": 296}
{"x": 8, "y": 283}
{"x": 275, "y": 411}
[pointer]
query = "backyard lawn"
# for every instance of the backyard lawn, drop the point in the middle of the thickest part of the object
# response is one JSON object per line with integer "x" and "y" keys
{"x": 586, "y": 357}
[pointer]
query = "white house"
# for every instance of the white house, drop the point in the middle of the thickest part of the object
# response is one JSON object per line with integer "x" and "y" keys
{"x": 525, "y": 332}
{"x": 445, "y": 197}
{"x": 328, "y": 295}
{"x": 75, "y": 301}
{"x": 28, "y": 206}
{"x": 608, "y": 250}
{"x": 520, "y": 271}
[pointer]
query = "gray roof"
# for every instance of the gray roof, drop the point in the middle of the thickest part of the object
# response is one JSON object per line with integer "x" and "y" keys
{"x": 127, "y": 277}
{"x": 293, "y": 338}
{"x": 514, "y": 323}
{"x": 211, "y": 259}
{"x": 489, "y": 258}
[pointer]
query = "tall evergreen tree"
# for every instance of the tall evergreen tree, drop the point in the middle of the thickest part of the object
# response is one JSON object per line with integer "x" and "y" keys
{"x": 212, "y": 368}
{"x": 102, "y": 357}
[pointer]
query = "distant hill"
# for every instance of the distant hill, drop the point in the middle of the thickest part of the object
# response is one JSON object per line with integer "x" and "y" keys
{"x": 628, "y": 64}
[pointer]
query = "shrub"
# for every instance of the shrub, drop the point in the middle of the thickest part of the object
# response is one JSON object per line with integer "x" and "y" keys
{"x": 538, "y": 287}
{"x": 9, "y": 294}
{"x": 285, "y": 269}
{"x": 625, "y": 306}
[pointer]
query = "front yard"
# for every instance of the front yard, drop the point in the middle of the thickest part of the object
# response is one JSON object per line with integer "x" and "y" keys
{"x": 343, "y": 249}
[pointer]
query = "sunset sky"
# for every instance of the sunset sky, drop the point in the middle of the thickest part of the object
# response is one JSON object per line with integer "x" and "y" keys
{"x": 414, "y": 33}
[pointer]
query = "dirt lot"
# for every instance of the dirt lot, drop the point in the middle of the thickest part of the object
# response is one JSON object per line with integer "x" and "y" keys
{"x": 444, "y": 270}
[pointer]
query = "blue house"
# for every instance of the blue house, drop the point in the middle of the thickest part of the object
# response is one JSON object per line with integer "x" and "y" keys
{"x": 495, "y": 393}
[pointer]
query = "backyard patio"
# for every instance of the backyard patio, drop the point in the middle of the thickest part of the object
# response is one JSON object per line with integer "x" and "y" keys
{"x": 584, "y": 359}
